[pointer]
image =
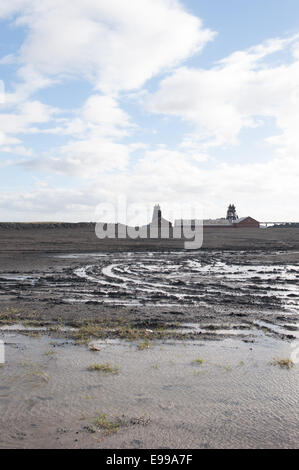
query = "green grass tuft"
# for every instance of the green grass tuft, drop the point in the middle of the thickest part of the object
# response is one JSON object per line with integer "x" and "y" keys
{"x": 198, "y": 361}
{"x": 283, "y": 363}
{"x": 109, "y": 426}
{"x": 144, "y": 345}
{"x": 107, "y": 368}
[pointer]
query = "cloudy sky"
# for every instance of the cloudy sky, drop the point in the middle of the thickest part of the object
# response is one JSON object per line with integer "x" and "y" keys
{"x": 157, "y": 100}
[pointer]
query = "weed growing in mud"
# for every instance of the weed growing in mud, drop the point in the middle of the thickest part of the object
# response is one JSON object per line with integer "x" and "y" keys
{"x": 283, "y": 363}
{"x": 108, "y": 329}
{"x": 109, "y": 426}
{"x": 86, "y": 332}
{"x": 12, "y": 315}
{"x": 31, "y": 334}
{"x": 54, "y": 328}
{"x": 144, "y": 345}
{"x": 35, "y": 370}
{"x": 198, "y": 361}
{"x": 106, "y": 368}
{"x": 9, "y": 315}
{"x": 100, "y": 328}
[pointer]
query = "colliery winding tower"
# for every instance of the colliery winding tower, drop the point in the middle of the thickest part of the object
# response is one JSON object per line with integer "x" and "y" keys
{"x": 231, "y": 213}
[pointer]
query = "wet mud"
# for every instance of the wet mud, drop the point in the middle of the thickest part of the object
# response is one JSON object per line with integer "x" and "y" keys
{"x": 224, "y": 292}
{"x": 190, "y": 336}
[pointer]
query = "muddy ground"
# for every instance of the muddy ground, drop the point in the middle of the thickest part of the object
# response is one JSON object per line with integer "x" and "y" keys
{"x": 178, "y": 325}
{"x": 218, "y": 290}
{"x": 81, "y": 238}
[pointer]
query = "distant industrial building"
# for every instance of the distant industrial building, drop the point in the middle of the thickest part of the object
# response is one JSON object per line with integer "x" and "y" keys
{"x": 246, "y": 222}
{"x": 162, "y": 228}
{"x": 231, "y": 221}
{"x": 158, "y": 220}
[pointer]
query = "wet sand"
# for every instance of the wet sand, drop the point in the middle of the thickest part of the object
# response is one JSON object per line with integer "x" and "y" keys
{"x": 234, "y": 399}
{"x": 237, "y": 310}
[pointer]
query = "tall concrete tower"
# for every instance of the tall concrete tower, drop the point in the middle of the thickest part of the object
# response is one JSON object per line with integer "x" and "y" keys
{"x": 156, "y": 214}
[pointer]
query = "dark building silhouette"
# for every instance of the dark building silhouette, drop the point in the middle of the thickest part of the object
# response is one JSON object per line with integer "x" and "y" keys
{"x": 231, "y": 213}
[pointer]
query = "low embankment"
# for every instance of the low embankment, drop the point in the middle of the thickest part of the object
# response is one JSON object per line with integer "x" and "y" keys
{"x": 80, "y": 237}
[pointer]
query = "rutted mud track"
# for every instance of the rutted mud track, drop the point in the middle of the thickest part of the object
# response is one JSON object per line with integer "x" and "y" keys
{"x": 166, "y": 279}
{"x": 176, "y": 279}
{"x": 255, "y": 288}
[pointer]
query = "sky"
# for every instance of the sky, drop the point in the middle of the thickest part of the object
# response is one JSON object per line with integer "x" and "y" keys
{"x": 151, "y": 101}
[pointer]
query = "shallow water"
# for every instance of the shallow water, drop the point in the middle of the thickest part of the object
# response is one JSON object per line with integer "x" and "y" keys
{"x": 235, "y": 398}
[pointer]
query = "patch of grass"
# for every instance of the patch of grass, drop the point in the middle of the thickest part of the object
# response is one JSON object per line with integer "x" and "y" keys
{"x": 283, "y": 363}
{"x": 54, "y": 328}
{"x": 99, "y": 328}
{"x": 144, "y": 345}
{"x": 31, "y": 334}
{"x": 12, "y": 315}
{"x": 107, "y": 368}
{"x": 108, "y": 329}
{"x": 109, "y": 426}
{"x": 198, "y": 361}
{"x": 35, "y": 370}
{"x": 86, "y": 332}
{"x": 9, "y": 315}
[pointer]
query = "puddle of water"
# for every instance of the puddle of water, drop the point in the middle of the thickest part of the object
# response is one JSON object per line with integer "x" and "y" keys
{"x": 20, "y": 327}
{"x": 235, "y": 398}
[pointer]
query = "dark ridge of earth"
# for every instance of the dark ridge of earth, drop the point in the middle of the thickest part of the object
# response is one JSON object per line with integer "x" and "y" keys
{"x": 80, "y": 238}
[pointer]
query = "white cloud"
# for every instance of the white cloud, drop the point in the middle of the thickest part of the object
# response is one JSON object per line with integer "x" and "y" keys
{"x": 86, "y": 158}
{"x": 22, "y": 119}
{"x": 104, "y": 111}
{"x": 237, "y": 93}
{"x": 117, "y": 45}
{"x": 167, "y": 176}
{"x": 45, "y": 204}
{"x": 94, "y": 147}
{"x": 8, "y": 9}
